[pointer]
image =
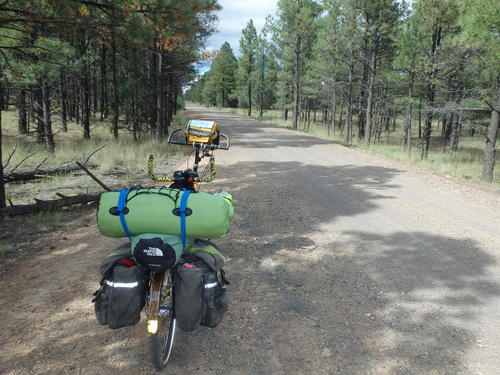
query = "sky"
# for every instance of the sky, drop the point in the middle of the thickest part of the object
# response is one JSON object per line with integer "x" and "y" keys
{"x": 233, "y": 18}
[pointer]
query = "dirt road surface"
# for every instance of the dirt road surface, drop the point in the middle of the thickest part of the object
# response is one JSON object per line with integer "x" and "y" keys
{"x": 341, "y": 263}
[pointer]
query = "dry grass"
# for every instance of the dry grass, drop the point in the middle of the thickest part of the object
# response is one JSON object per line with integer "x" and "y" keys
{"x": 466, "y": 163}
{"x": 123, "y": 154}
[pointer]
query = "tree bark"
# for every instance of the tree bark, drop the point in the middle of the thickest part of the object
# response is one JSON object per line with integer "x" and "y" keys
{"x": 2, "y": 185}
{"x": 47, "y": 122}
{"x": 160, "y": 99}
{"x": 341, "y": 115}
{"x": 95, "y": 102}
{"x": 296, "y": 82}
{"x": 333, "y": 122}
{"x": 369, "y": 98}
{"x": 489, "y": 149}
{"x": 40, "y": 173}
{"x": 104, "y": 84}
{"x": 249, "y": 97}
{"x": 40, "y": 131}
{"x": 455, "y": 130}
{"x": 22, "y": 118}
{"x": 407, "y": 132}
{"x": 153, "y": 79}
{"x": 115, "y": 105}
{"x": 348, "y": 134}
{"x": 85, "y": 103}
{"x": 431, "y": 90}
{"x": 62, "y": 100}
{"x": 42, "y": 205}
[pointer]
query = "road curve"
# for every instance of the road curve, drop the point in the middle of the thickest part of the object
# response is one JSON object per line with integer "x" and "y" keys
{"x": 341, "y": 263}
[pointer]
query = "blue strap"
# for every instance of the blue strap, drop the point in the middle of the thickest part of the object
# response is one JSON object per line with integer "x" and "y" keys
{"x": 182, "y": 210}
{"x": 122, "y": 200}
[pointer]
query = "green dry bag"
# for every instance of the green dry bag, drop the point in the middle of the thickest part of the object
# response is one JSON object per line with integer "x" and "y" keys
{"x": 157, "y": 210}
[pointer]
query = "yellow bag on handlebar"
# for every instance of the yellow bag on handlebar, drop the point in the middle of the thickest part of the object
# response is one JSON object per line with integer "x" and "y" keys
{"x": 201, "y": 131}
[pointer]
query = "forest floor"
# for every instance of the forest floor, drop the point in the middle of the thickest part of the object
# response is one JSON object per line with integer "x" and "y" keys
{"x": 120, "y": 159}
{"x": 342, "y": 262}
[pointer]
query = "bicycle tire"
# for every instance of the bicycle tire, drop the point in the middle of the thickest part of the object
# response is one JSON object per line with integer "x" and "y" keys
{"x": 161, "y": 346}
{"x": 162, "y": 341}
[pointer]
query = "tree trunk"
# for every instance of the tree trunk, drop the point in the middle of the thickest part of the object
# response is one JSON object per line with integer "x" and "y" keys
{"x": 249, "y": 97}
{"x": 40, "y": 131}
{"x": 160, "y": 99}
{"x": 62, "y": 101}
{"x": 334, "y": 112}
{"x": 104, "y": 84}
{"x": 153, "y": 80}
{"x": 455, "y": 130}
{"x": 489, "y": 149}
{"x": 348, "y": 134}
{"x": 76, "y": 100}
{"x": 47, "y": 122}
{"x": 296, "y": 82}
{"x": 407, "y": 131}
{"x": 115, "y": 105}
{"x": 95, "y": 101}
{"x": 134, "y": 117}
{"x": 21, "y": 106}
{"x": 261, "y": 98}
{"x": 84, "y": 81}
{"x": 431, "y": 91}
{"x": 341, "y": 115}
{"x": 2, "y": 184}
{"x": 369, "y": 98}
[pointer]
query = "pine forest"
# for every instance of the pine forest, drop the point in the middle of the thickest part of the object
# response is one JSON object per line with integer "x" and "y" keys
{"x": 419, "y": 79}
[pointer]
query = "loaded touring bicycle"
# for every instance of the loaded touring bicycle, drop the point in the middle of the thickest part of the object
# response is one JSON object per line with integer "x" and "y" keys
{"x": 170, "y": 269}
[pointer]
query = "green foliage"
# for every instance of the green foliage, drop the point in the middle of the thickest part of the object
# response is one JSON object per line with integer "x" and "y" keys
{"x": 362, "y": 64}
{"x": 220, "y": 87}
{"x": 265, "y": 76}
{"x": 246, "y": 63}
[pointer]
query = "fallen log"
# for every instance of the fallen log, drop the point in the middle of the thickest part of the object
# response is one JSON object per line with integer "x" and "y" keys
{"x": 45, "y": 205}
{"x": 40, "y": 173}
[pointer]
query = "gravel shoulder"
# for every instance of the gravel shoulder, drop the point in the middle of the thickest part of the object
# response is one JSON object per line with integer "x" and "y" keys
{"x": 342, "y": 262}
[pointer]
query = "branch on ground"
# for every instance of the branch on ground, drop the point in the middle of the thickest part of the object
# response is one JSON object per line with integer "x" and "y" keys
{"x": 46, "y": 205}
{"x": 40, "y": 173}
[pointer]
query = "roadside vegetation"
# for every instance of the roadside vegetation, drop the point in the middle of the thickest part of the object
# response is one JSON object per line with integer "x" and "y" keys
{"x": 91, "y": 81}
{"x": 120, "y": 162}
{"x": 417, "y": 82}
{"x": 466, "y": 164}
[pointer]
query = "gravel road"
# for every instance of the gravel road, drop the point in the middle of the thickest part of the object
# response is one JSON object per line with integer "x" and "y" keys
{"x": 341, "y": 263}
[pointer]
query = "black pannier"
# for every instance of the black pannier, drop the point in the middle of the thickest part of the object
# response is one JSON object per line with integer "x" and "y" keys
{"x": 200, "y": 289}
{"x": 121, "y": 297}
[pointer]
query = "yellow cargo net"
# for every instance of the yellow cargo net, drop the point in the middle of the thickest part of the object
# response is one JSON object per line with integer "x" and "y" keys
{"x": 213, "y": 172}
{"x": 151, "y": 173}
{"x": 152, "y": 176}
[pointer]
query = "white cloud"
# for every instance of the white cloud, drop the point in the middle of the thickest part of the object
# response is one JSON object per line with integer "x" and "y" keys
{"x": 233, "y": 18}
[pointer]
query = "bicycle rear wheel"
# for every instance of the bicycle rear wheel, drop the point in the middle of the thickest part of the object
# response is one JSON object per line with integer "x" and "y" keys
{"x": 162, "y": 341}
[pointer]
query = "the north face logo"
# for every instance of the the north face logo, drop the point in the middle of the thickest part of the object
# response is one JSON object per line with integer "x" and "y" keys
{"x": 153, "y": 252}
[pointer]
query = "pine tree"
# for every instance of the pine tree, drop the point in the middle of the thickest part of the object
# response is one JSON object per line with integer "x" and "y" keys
{"x": 294, "y": 33}
{"x": 264, "y": 77}
{"x": 480, "y": 20}
{"x": 221, "y": 82}
{"x": 248, "y": 45}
